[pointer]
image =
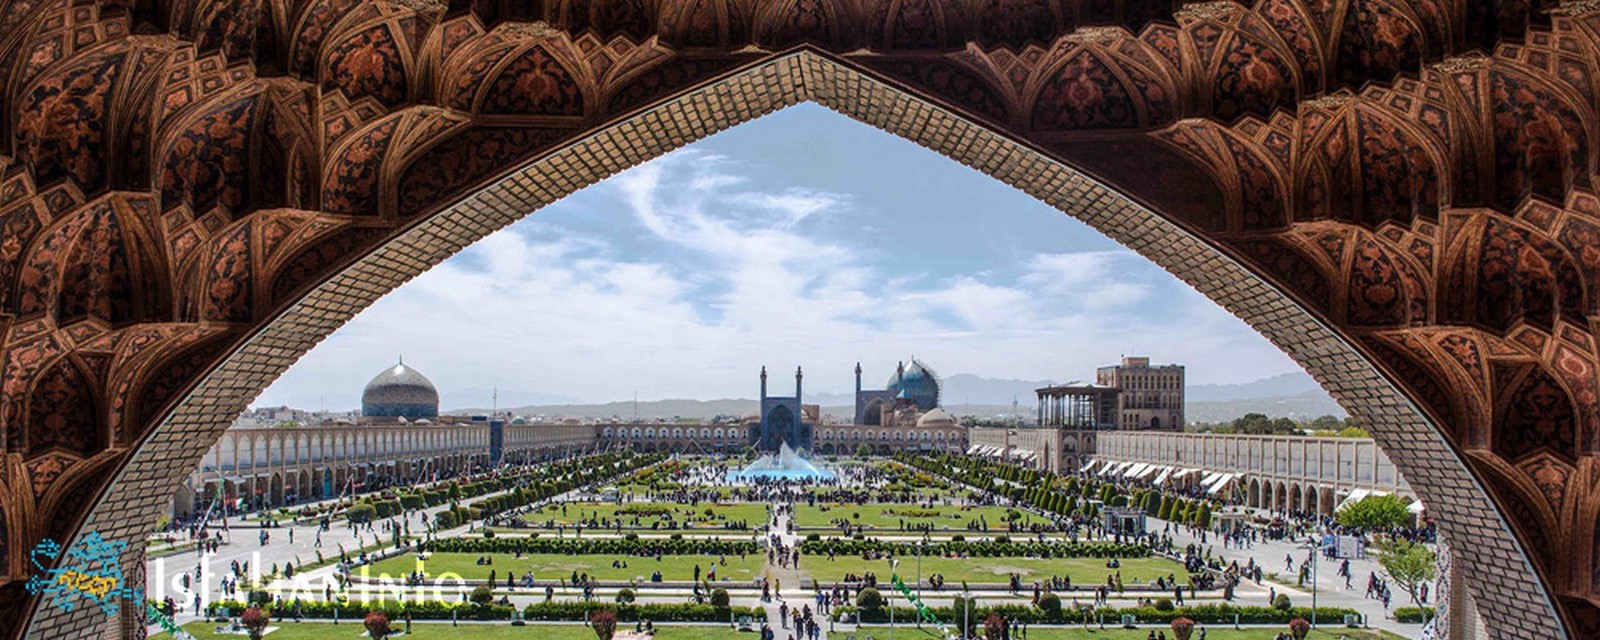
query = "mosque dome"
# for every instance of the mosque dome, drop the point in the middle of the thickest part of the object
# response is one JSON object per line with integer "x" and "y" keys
{"x": 400, "y": 392}
{"x": 918, "y": 383}
{"x": 937, "y": 418}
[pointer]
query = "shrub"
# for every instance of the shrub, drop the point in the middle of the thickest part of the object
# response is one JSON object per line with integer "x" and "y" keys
{"x": 1182, "y": 628}
{"x": 1163, "y": 604}
{"x": 719, "y": 598}
{"x": 1281, "y": 602}
{"x": 1415, "y": 615}
{"x": 361, "y": 512}
{"x": 625, "y": 596}
{"x": 1050, "y": 605}
{"x": 994, "y": 627}
{"x": 869, "y": 599}
{"x": 604, "y": 624}
{"x": 481, "y": 595}
{"x": 1298, "y": 628}
{"x": 255, "y": 622}
{"x": 377, "y": 625}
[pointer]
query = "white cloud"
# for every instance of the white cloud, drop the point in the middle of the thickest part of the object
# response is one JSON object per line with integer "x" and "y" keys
{"x": 706, "y": 273}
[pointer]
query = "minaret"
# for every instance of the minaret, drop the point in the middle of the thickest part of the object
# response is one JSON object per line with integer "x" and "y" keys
{"x": 899, "y": 373}
{"x": 858, "y": 378}
{"x": 797, "y": 376}
{"x": 763, "y": 384}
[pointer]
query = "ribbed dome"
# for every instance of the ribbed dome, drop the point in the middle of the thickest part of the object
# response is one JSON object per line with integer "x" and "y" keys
{"x": 400, "y": 392}
{"x": 936, "y": 418}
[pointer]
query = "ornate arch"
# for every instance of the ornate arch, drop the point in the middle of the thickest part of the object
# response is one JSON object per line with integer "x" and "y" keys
{"x": 267, "y": 169}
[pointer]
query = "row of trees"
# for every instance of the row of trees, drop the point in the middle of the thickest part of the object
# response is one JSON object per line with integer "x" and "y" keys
{"x": 1260, "y": 424}
{"x": 1066, "y": 497}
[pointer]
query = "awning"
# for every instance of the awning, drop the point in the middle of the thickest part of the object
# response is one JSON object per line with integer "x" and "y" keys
{"x": 1122, "y": 468}
{"x": 1355, "y": 496}
{"x": 1183, "y": 473}
{"x": 234, "y": 479}
{"x": 1210, "y": 477}
{"x": 1134, "y": 470}
{"x": 974, "y": 449}
{"x": 1415, "y": 507}
{"x": 1225, "y": 480}
{"x": 1089, "y": 466}
{"x": 1165, "y": 473}
{"x": 1147, "y": 471}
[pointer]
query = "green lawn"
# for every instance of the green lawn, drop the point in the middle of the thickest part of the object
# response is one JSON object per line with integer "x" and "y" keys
{"x": 1213, "y": 632}
{"x": 995, "y": 570}
{"x": 887, "y": 517}
{"x": 570, "y": 514}
{"x": 442, "y": 631}
{"x": 552, "y": 566}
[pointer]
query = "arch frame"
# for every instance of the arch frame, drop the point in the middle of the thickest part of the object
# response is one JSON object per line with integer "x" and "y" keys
{"x": 127, "y": 505}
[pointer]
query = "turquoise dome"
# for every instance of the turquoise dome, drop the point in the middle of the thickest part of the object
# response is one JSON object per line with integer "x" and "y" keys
{"x": 917, "y": 383}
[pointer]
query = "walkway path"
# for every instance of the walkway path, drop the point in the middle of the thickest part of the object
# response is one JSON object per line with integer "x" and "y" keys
{"x": 789, "y": 580}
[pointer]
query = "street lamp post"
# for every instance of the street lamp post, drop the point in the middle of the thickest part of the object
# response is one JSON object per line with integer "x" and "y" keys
{"x": 1315, "y": 549}
{"x": 919, "y": 578}
{"x": 890, "y": 600}
{"x": 966, "y": 614}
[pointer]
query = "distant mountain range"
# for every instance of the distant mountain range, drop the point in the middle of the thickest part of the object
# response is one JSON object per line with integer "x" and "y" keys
{"x": 1295, "y": 395}
{"x": 1289, "y": 394}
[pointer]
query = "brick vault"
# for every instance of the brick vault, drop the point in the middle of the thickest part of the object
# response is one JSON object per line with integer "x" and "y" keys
{"x": 1398, "y": 193}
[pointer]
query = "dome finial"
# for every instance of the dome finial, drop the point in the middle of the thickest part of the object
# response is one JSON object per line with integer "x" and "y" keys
{"x": 402, "y": 361}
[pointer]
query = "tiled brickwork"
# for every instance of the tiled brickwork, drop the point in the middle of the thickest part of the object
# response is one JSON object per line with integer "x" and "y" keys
{"x": 1511, "y": 600}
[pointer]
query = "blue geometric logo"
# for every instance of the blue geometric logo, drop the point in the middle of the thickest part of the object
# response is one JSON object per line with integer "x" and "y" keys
{"x": 91, "y": 571}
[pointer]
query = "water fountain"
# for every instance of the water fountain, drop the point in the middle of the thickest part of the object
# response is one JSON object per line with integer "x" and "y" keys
{"x": 787, "y": 464}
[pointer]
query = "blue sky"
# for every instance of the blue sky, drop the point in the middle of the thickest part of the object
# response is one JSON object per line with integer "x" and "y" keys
{"x": 803, "y": 238}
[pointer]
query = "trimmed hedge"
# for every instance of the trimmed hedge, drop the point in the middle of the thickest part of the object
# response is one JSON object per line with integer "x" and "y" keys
{"x": 1001, "y": 547}
{"x": 606, "y": 546}
{"x": 1206, "y": 613}
{"x": 356, "y": 610}
{"x": 659, "y": 612}
{"x": 1413, "y": 614}
{"x": 361, "y": 512}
